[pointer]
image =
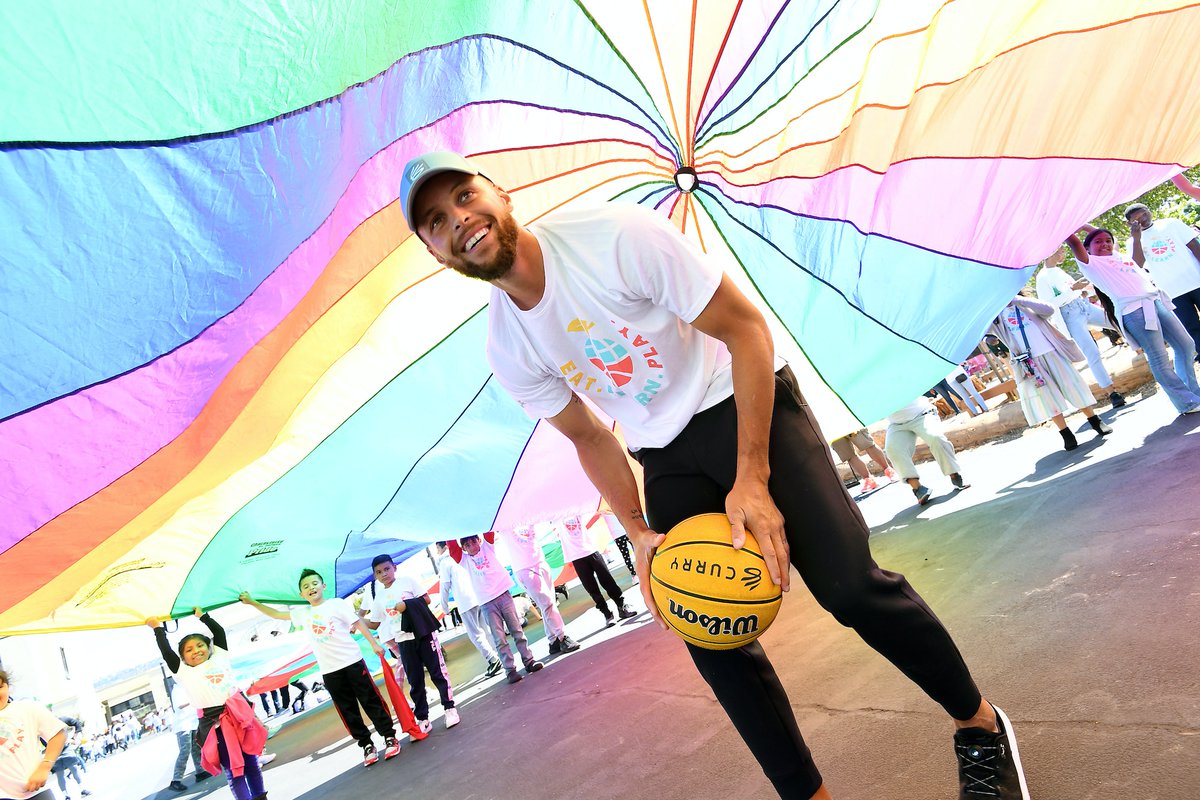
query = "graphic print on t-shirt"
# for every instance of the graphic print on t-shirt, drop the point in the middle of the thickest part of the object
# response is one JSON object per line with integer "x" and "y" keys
{"x": 11, "y": 737}
{"x": 1159, "y": 248}
{"x": 611, "y": 356}
{"x": 322, "y": 629}
{"x": 216, "y": 673}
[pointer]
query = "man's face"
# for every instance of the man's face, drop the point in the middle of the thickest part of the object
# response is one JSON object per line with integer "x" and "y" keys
{"x": 1101, "y": 245}
{"x": 466, "y": 223}
{"x": 1141, "y": 217}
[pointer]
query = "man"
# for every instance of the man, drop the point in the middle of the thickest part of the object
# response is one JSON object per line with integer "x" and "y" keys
{"x": 614, "y": 304}
{"x": 1173, "y": 259}
{"x": 1057, "y": 288}
{"x": 530, "y": 569}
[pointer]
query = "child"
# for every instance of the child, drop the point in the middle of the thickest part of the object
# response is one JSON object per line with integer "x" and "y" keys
{"x": 349, "y": 683}
{"x": 227, "y": 728}
{"x": 490, "y": 582}
{"x": 24, "y": 766}
{"x": 400, "y": 612}
{"x": 1143, "y": 311}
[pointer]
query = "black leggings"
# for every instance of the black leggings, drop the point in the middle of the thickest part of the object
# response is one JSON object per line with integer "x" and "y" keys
{"x": 828, "y": 540}
{"x": 418, "y": 657}
{"x": 593, "y": 573}
{"x": 350, "y": 687}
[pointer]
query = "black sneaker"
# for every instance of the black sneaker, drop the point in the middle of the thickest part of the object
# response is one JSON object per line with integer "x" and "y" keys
{"x": 625, "y": 612}
{"x": 533, "y": 666}
{"x": 512, "y": 677}
{"x": 176, "y": 786}
{"x": 958, "y": 481}
{"x": 1117, "y": 399}
{"x": 989, "y": 764}
{"x": 555, "y": 647}
{"x": 202, "y": 775}
{"x": 493, "y": 668}
{"x": 922, "y": 494}
{"x": 608, "y": 619}
{"x": 567, "y": 645}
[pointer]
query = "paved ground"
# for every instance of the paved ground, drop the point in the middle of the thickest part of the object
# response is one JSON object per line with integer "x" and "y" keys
{"x": 1070, "y": 581}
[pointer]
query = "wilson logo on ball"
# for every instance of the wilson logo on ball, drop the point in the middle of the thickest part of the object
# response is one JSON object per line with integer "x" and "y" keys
{"x": 716, "y": 626}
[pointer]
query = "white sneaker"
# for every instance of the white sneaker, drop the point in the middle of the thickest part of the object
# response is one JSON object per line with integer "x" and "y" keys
{"x": 452, "y": 717}
{"x": 266, "y": 758}
{"x": 425, "y": 725}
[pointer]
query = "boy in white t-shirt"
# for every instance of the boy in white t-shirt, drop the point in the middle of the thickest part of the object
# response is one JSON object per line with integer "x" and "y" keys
{"x": 490, "y": 583}
{"x": 614, "y": 305}
{"x": 24, "y": 765}
{"x": 399, "y": 598}
{"x": 329, "y": 624}
{"x": 1172, "y": 255}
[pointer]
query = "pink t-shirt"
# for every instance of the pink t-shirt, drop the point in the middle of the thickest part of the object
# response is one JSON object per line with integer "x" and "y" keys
{"x": 1124, "y": 281}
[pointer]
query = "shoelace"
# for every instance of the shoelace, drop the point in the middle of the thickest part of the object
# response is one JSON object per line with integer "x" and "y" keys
{"x": 977, "y": 764}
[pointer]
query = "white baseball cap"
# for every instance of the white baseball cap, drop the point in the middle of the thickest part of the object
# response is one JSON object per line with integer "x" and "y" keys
{"x": 421, "y": 169}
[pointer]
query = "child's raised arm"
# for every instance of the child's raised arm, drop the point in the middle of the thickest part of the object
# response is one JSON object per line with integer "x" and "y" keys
{"x": 218, "y": 633}
{"x": 164, "y": 647}
{"x": 274, "y": 613}
{"x": 1081, "y": 253}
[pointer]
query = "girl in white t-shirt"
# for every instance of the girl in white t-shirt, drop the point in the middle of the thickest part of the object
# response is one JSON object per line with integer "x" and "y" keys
{"x": 329, "y": 624}
{"x": 1143, "y": 311}
{"x": 24, "y": 765}
{"x": 203, "y": 665}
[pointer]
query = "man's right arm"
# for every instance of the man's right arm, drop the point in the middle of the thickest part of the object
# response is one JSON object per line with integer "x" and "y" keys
{"x": 604, "y": 462}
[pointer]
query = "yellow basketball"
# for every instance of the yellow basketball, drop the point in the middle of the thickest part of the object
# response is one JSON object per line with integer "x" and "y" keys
{"x": 710, "y": 594}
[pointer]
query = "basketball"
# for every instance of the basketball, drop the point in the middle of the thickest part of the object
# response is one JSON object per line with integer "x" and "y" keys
{"x": 710, "y": 594}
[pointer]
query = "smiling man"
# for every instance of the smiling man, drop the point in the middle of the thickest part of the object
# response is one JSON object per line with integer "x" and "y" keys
{"x": 1172, "y": 255}
{"x": 613, "y": 304}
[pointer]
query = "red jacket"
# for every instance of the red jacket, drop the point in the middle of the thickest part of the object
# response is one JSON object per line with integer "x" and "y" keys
{"x": 243, "y": 734}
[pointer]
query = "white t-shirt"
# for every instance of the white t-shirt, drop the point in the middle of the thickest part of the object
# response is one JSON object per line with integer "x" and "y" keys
{"x": 577, "y": 540}
{"x": 455, "y": 584}
{"x": 1122, "y": 280}
{"x": 1039, "y": 345}
{"x": 922, "y": 405}
{"x": 211, "y": 682}
{"x": 187, "y": 718}
{"x": 621, "y": 286}
{"x": 22, "y": 724}
{"x": 489, "y": 579}
{"x": 1172, "y": 266}
{"x": 383, "y": 608}
{"x": 329, "y": 627}
{"x": 1054, "y": 287}
{"x": 520, "y": 546}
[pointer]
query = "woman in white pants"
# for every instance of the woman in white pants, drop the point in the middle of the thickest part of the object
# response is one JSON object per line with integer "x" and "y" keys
{"x": 920, "y": 418}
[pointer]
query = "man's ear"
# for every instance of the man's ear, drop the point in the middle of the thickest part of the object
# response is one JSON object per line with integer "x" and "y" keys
{"x": 433, "y": 253}
{"x": 505, "y": 196}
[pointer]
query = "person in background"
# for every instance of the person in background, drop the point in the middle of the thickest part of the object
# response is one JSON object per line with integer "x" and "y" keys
{"x": 184, "y": 724}
{"x": 1058, "y": 289}
{"x": 849, "y": 446}
{"x": 1171, "y": 254}
{"x": 920, "y": 419}
{"x": 1143, "y": 311}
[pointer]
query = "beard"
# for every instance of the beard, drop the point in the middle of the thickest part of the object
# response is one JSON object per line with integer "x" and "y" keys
{"x": 505, "y": 231}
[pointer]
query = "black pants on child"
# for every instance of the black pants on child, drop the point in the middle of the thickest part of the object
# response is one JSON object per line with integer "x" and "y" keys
{"x": 418, "y": 657}
{"x": 350, "y": 687}
{"x": 828, "y": 540}
{"x": 593, "y": 573}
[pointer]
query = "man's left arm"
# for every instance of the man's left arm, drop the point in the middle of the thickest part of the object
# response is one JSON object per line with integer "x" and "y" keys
{"x": 733, "y": 319}
{"x": 1194, "y": 246}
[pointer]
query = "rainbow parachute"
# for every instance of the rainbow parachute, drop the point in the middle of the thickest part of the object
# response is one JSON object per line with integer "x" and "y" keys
{"x": 225, "y": 358}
